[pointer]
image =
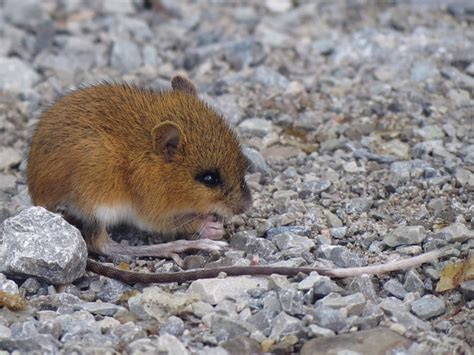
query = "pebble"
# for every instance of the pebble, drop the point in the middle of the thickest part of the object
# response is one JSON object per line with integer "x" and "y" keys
{"x": 428, "y": 307}
{"x": 125, "y": 55}
{"x": 405, "y": 235}
{"x": 395, "y": 288}
{"x": 8, "y": 156}
{"x": 284, "y": 324}
{"x": 214, "y": 291}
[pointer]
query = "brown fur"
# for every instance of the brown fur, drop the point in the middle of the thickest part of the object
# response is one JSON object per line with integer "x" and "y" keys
{"x": 96, "y": 147}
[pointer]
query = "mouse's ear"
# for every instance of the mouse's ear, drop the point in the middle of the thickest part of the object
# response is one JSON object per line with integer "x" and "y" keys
{"x": 180, "y": 83}
{"x": 166, "y": 138}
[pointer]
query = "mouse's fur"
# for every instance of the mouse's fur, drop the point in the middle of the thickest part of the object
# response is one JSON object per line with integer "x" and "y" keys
{"x": 117, "y": 153}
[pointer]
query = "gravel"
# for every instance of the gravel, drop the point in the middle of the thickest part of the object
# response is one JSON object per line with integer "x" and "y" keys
{"x": 356, "y": 119}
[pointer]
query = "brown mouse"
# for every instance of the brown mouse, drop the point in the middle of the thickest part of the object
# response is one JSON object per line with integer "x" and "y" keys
{"x": 162, "y": 161}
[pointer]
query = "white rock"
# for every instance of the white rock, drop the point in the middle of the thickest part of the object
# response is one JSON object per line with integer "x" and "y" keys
{"x": 214, "y": 291}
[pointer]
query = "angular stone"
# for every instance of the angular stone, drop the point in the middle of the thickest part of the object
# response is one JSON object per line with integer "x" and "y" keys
{"x": 214, "y": 291}
{"x": 42, "y": 244}
{"x": 8, "y": 156}
{"x": 428, "y": 306}
{"x": 329, "y": 318}
{"x": 125, "y": 55}
{"x": 284, "y": 324}
{"x": 155, "y": 303}
{"x": 377, "y": 341}
{"x": 354, "y": 304}
{"x": 395, "y": 288}
{"x": 405, "y": 235}
{"x": 289, "y": 240}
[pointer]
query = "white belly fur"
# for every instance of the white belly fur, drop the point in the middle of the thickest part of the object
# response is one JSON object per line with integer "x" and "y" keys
{"x": 113, "y": 215}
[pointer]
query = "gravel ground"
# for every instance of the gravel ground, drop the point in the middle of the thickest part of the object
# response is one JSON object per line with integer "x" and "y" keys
{"x": 358, "y": 118}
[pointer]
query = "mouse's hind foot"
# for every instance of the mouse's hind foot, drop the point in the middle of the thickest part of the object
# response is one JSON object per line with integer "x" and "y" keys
{"x": 99, "y": 242}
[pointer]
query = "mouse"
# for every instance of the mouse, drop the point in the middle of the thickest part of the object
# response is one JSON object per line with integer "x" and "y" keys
{"x": 164, "y": 162}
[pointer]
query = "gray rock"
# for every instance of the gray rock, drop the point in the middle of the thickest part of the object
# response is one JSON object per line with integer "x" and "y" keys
{"x": 241, "y": 344}
{"x": 232, "y": 327}
{"x": 8, "y": 285}
{"x": 165, "y": 344}
{"x": 27, "y": 13}
{"x": 256, "y": 126}
{"x": 405, "y": 235}
{"x": 173, "y": 326}
{"x": 329, "y": 318}
{"x": 342, "y": 257}
{"x": 155, "y": 303}
{"x": 288, "y": 240}
{"x": 467, "y": 288}
{"x": 257, "y": 161}
{"x": 395, "y": 288}
{"x": 284, "y": 324}
{"x": 374, "y": 341}
{"x": 269, "y": 78}
{"x": 365, "y": 285}
{"x": 102, "y": 308}
{"x": 6, "y": 181}
{"x": 413, "y": 282}
{"x": 16, "y": 76}
{"x": 214, "y": 291}
{"x": 118, "y": 7}
{"x": 298, "y": 230}
{"x": 42, "y": 244}
{"x": 324, "y": 286}
{"x": 338, "y": 233}
{"x": 423, "y": 70}
{"x": 458, "y": 232}
{"x": 312, "y": 189}
{"x": 291, "y": 301}
{"x": 42, "y": 343}
{"x": 398, "y": 313}
{"x": 333, "y": 220}
{"x": 353, "y": 304}
{"x": 5, "y": 332}
{"x": 428, "y": 306}
{"x": 359, "y": 205}
{"x": 8, "y": 156}
{"x": 249, "y": 243}
{"x": 125, "y": 55}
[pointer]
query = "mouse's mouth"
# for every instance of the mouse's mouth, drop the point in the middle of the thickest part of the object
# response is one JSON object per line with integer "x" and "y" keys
{"x": 199, "y": 225}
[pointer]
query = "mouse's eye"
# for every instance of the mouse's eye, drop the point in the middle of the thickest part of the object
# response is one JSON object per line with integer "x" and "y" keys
{"x": 210, "y": 178}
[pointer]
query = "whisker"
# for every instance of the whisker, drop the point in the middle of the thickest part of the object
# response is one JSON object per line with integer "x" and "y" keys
{"x": 192, "y": 219}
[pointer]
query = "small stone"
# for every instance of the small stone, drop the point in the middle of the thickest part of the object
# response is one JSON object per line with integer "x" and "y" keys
{"x": 329, "y": 318}
{"x": 332, "y": 220}
{"x": 467, "y": 288}
{"x": 414, "y": 283}
{"x": 338, "y": 233}
{"x": 288, "y": 240}
{"x": 125, "y": 55}
{"x": 428, "y": 306}
{"x": 395, "y": 288}
{"x": 278, "y": 6}
{"x": 458, "y": 232}
{"x": 285, "y": 195}
{"x": 342, "y": 257}
{"x": 8, "y": 156}
{"x": 173, "y": 326}
{"x": 104, "y": 309}
{"x": 284, "y": 324}
{"x": 230, "y": 326}
{"x": 249, "y": 243}
{"x": 430, "y": 132}
{"x": 241, "y": 344}
{"x": 312, "y": 189}
{"x": 256, "y": 126}
{"x": 352, "y": 167}
{"x": 405, "y": 235}
{"x": 214, "y": 291}
{"x": 291, "y": 301}
{"x": 257, "y": 161}
{"x": 42, "y": 244}
{"x": 353, "y": 304}
{"x": 169, "y": 344}
{"x": 118, "y": 6}
{"x": 6, "y": 181}
{"x": 323, "y": 286}
{"x": 317, "y": 331}
{"x": 359, "y": 205}
{"x": 8, "y": 285}
{"x": 362, "y": 342}
{"x": 154, "y": 303}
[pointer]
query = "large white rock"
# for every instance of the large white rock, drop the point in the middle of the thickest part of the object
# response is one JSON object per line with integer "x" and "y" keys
{"x": 42, "y": 244}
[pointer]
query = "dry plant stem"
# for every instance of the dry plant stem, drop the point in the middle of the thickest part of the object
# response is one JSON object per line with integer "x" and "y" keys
{"x": 184, "y": 276}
